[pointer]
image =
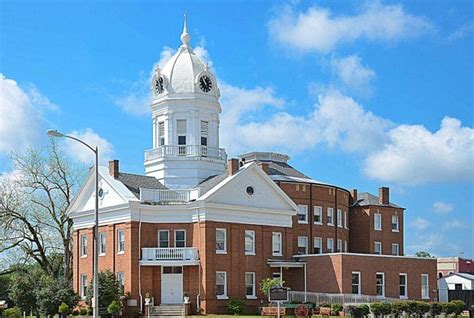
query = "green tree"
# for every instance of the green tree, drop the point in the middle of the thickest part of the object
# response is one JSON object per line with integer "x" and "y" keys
{"x": 268, "y": 283}
{"x": 52, "y": 292}
{"x": 21, "y": 291}
{"x": 114, "y": 308}
{"x": 423, "y": 254}
{"x": 109, "y": 289}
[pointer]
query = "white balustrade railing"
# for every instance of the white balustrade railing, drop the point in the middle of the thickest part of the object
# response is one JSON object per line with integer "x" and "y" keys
{"x": 185, "y": 151}
{"x": 169, "y": 254}
{"x": 168, "y": 196}
{"x": 318, "y": 298}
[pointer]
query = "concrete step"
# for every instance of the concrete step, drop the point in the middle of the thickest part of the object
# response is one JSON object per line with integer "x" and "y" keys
{"x": 167, "y": 311}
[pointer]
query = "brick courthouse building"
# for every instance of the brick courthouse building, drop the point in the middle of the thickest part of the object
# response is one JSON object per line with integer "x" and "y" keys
{"x": 213, "y": 228}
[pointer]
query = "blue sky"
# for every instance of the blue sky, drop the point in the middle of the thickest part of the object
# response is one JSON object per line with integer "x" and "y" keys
{"x": 360, "y": 94}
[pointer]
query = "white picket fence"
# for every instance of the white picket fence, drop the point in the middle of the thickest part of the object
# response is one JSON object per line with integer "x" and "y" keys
{"x": 344, "y": 299}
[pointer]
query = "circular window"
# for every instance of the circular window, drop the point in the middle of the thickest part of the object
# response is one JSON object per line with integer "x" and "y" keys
{"x": 250, "y": 190}
{"x": 101, "y": 193}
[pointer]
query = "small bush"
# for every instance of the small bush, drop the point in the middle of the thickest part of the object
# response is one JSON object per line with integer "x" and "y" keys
{"x": 436, "y": 309}
{"x": 335, "y": 309}
{"x": 354, "y": 311}
{"x": 412, "y": 307}
{"x": 399, "y": 307}
{"x": 376, "y": 308}
{"x": 458, "y": 306}
{"x": 423, "y": 307}
{"x": 63, "y": 308}
{"x": 324, "y": 304}
{"x": 236, "y": 306}
{"x": 301, "y": 311}
{"x": 386, "y": 308}
{"x": 14, "y": 312}
{"x": 75, "y": 312}
{"x": 364, "y": 309}
{"x": 114, "y": 307}
{"x": 83, "y": 311}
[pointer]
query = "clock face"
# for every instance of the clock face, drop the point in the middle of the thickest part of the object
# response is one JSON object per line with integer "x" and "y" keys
{"x": 205, "y": 83}
{"x": 159, "y": 85}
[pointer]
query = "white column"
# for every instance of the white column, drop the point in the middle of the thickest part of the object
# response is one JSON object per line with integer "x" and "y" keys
{"x": 304, "y": 282}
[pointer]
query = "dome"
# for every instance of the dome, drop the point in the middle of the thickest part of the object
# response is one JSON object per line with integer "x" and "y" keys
{"x": 184, "y": 73}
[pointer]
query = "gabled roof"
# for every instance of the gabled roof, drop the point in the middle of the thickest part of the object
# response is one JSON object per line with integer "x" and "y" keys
{"x": 134, "y": 182}
{"x": 463, "y": 275}
{"x": 366, "y": 199}
{"x": 211, "y": 182}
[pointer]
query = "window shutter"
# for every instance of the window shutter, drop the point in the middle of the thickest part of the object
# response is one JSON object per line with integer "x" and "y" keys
{"x": 161, "y": 129}
{"x": 204, "y": 128}
{"x": 181, "y": 127}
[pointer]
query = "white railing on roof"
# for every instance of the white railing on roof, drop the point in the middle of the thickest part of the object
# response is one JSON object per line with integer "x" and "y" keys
{"x": 169, "y": 254}
{"x": 168, "y": 196}
{"x": 185, "y": 151}
{"x": 344, "y": 299}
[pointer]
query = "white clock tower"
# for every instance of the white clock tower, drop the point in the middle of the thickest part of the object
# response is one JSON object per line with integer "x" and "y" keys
{"x": 185, "y": 112}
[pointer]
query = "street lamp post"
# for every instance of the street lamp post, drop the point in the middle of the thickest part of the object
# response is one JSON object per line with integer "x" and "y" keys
{"x": 95, "y": 303}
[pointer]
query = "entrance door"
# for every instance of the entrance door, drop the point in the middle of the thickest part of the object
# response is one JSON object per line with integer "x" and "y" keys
{"x": 172, "y": 285}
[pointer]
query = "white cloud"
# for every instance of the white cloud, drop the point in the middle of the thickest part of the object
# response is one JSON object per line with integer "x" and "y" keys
{"x": 415, "y": 155}
{"x": 455, "y": 224}
{"x": 355, "y": 76}
{"x": 81, "y": 153}
{"x": 318, "y": 29}
{"x": 461, "y": 32}
{"x": 442, "y": 207}
{"x": 419, "y": 223}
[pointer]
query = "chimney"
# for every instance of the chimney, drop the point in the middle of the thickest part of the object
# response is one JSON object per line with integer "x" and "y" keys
{"x": 353, "y": 196}
{"x": 264, "y": 166}
{"x": 114, "y": 168}
{"x": 384, "y": 195}
{"x": 232, "y": 166}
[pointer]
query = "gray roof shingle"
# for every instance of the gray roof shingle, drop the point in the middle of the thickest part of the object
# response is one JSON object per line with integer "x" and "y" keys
{"x": 135, "y": 181}
{"x": 207, "y": 184}
{"x": 365, "y": 199}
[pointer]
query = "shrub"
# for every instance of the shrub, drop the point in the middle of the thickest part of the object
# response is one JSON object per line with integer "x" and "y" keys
{"x": 412, "y": 307}
{"x": 83, "y": 311}
{"x": 386, "y": 308}
{"x": 324, "y": 304}
{"x": 267, "y": 283}
{"x": 75, "y": 312}
{"x": 63, "y": 308}
{"x": 236, "y": 306}
{"x": 114, "y": 307}
{"x": 14, "y": 312}
{"x": 364, "y": 309}
{"x": 354, "y": 311}
{"x": 335, "y": 309}
{"x": 423, "y": 307}
{"x": 376, "y": 308}
{"x": 435, "y": 309}
{"x": 458, "y": 306}
{"x": 301, "y": 311}
{"x": 399, "y": 307}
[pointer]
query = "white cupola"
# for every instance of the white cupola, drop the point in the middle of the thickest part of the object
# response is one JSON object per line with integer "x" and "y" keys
{"x": 185, "y": 112}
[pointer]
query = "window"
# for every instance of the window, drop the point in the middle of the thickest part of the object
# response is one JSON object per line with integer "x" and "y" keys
{"x": 378, "y": 248}
{"x": 378, "y": 222}
{"x": 339, "y": 218}
{"x": 403, "y": 285}
{"x": 380, "y": 284}
{"x": 276, "y": 275}
{"x": 318, "y": 215}
{"x": 121, "y": 279}
{"x": 163, "y": 238}
{"x": 120, "y": 241}
{"x": 180, "y": 238}
{"x": 221, "y": 241}
{"x": 204, "y": 132}
{"x": 356, "y": 283}
{"x": 339, "y": 245}
{"x": 181, "y": 133}
{"x": 395, "y": 224}
{"x": 250, "y": 285}
{"x": 303, "y": 214}
{"x": 330, "y": 216}
{"x": 345, "y": 219}
{"x": 84, "y": 245}
{"x": 302, "y": 245}
{"x": 425, "y": 290}
{"x": 102, "y": 243}
{"x": 221, "y": 285}
{"x": 249, "y": 242}
{"x": 276, "y": 244}
{"x": 330, "y": 245}
{"x": 83, "y": 287}
{"x": 345, "y": 246}
{"x": 161, "y": 133}
{"x": 395, "y": 249}
{"x": 318, "y": 245}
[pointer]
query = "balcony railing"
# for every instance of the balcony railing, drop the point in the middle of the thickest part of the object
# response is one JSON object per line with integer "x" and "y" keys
{"x": 169, "y": 254}
{"x": 185, "y": 151}
{"x": 167, "y": 196}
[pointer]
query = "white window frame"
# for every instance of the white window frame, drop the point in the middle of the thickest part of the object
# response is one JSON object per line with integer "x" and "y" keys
{"x": 404, "y": 286}
{"x": 83, "y": 286}
{"x": 161, "y": 133}
{"x": 377, "y": 243}
{"x": 339, "y": 218}
{"x": 345, "y": 219}
{"x": 121, "y": 279}
{"x": 359, "y": 287}
{"x": 120, "y": 249}
{"x": 84, "y": 245}
{"x": 303, "y": 210}
{"x": 320, "y": 240}
{"x": 425, "y": 290}
{"x": 301, "y": 239}
{"x": 345, "y": 246}
{"x": 397, "y": 249}
{"x": 250, "y": 233}
{"x": 339, "y": 246}
{"x": 330, "y": 250}
{"x": 224, "y": 251}
{"x": 397, "y": 222}
{"x": 318, "y": 211}
{"x": 168, "y": 238}
{"x": 330, "y": 216}
{"x": 253, "y": 295}
{"x": 277, "y": 240}
{"x": 175, "y": 234}
{"x": 102, "y": 243}
{"x": 377, "y": 221}
{"x": 224, "y": 296}
{"x": 383, "y": 284}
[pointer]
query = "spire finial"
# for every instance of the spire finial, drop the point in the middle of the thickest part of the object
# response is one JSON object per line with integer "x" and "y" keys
{"x": 185, "y": 37}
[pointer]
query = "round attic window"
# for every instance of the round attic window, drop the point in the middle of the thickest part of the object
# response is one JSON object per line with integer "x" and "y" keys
{"x": 101, "y": 193}
{"x": 250, "y": 190}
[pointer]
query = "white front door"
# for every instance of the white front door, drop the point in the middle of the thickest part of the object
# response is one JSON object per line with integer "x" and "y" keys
{"x": 172, "y": 285}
